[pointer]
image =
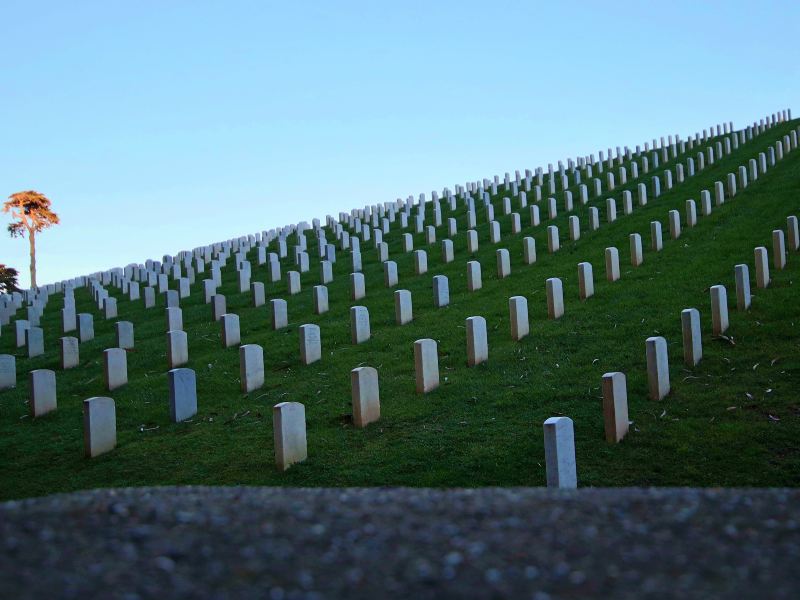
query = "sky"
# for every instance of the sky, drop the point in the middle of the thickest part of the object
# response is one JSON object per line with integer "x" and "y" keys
{"x": 156, "y": 127}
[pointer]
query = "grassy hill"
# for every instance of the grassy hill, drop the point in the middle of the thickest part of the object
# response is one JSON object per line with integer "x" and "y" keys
{"x": 734, "y": 420}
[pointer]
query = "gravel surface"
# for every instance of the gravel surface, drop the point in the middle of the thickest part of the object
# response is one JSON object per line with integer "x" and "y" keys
{"x": 276, "y": 543}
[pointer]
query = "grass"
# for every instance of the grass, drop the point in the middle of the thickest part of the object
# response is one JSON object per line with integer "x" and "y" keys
{"x": 730, "y": 421}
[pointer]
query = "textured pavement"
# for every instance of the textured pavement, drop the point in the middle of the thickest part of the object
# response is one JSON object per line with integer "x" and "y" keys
{"x": 279, "y": 543}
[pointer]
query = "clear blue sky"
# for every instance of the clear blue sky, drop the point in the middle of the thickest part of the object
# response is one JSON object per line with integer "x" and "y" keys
{"x": 160, "y": 126}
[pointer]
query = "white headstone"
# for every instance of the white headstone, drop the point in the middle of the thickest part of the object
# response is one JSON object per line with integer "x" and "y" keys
{"x": 692, "y": 338}
{"x": 69, "y": 352}
{"x": 310, "y": 343}
{"x": 359, "y": 324}
{"x": 518, "y": 317}
{"x": 251, "y": 367}
{"x": 615, "y": 406}
{"x": 115, "y": 368}
{"x": 719, "y": 309}
{"x": 8, "y": 371}
{"x": 182, "y": 394}
{"x": 289, "y": 434}
{"x": 229, "y": 330}
{"x": 99, "y": 426}
{"x": 762, "y": 267}
{"x": 477, "y": 341}
{"x": 742, "y": 276}
{"x": 403, "y": 310}
{"x": 124, "y": 330}
{"x": 657, "y": 368}
{"x": 585, "y": 280}
{"x": 177, "y": 348}
{"x": 365, "y": 396}
{"x": 555, "y": 298}
{"x": 441, "y": 291}
{"x": 426, "y": 365}
{"x": 42, "y": 389}
{"x": 559, "y": 452}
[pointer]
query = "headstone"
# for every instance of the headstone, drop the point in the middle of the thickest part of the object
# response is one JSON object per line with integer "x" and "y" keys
{"x": 289, "y": 434}
{"x": 441, "y": 291}
{"x": 403, "y": 311}
{"x": 477, "y": 341}
{"x": 691, "y": 213}
{"x": 555, "y": 298}
{"x": 611, "y": 210}
{"x": 293, "y": 282}
{"x": 503, "y": 263}
{"x": 34, "y": 337}
{"x": 115, "y": 368}
{"x": 420, "y": 262}
{"x": 174, "y": 319}
{"x": 251, "y": 367}
{"x": 719, "y": 309}
{"x": 472, "y": 241}
{"x": 559, "y": 453}
{"x": 518, "y": 317}
{"x": 390, "y": 273}
{"x": 474, "y": 281}
{"x": 8, "y": 371}
{"x": 257, "y": 294}
{"x": 279, "y": 313}
{"x": 636, "y": 249}
{"x": 42, "y": 389}
{"x": 21, "y": 328}
{"x": 69, "y": 320}
{"x": 310, "y": 344}
{"x": 182, "y": 394}
{"x": 793, "y": 233}
{"x": 674, "y": 224}
{"x": 612, "y": 264}
{"x": 171, "y": 299}
{"x": 762, "y": 267}
{"x": 615, "y": 406}
{"x": 552, "y": 239}
{"x": 365, "y": 396}
{"x": 124, "y": 331}
{"x": 426, "y": 365}
{"x": 657, "y": 368}
{"x": 69, "y": 352}
{"x": 218, "y": 307}
{"x": 585, "y": 280}
{"x": 229, "y": 330}
{"x": 177, "y": 348}
{"x": 320, "y": 295}
{"x": 359, "y": 324}
{"x": 778, "y": 250}
{"x": 574, "y": 228}
{"x": 742, "y": 276}
{"x": 357, "y": 286}
{"x": 692, "y": 339}
{"x": 656, "y": 239}
{"x": 99, "y": 426}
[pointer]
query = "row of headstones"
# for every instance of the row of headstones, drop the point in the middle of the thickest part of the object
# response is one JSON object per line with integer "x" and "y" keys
{"x": 266, "y": 237}
{"x": 230, "y": 324}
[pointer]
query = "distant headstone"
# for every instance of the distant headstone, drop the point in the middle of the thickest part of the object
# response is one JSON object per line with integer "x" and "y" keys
{"x": 403, "y": 310}
{"x": 615, "y": 406}
{"x": 657, "y": 368}
{"x": 426, "y": 365}
{"x": 310, "y": 344}
{"x": 8, "y": 371}
{"x": 177, "y": 348}
{"x": 182, "y": 394}
{"x": 518, "y": 317}
{"x": 69, "y": 352}
{"x": 115, "y": 368}
{"x": 289, "y": 434}
{"x": 692, "y": 339}
{"x": 365, "y": 396}
{"x": 42, "y": 389}
{"x": 124, "y": 331}
{"x": 559, "y": 453}
{"x": 251, "y": 367}
{"x": 477, "y": 341}
{"x": 99, "y": 426}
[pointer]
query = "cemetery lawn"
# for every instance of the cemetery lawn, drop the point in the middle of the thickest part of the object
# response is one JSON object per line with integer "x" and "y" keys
{"x": 734, "y": 420}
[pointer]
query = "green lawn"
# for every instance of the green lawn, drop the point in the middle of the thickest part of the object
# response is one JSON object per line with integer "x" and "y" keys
{"x": 731, "y": 421}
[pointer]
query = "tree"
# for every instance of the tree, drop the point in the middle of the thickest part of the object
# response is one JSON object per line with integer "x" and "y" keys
{"x": 32, "y": 214}
{"x": 8, "y": 279}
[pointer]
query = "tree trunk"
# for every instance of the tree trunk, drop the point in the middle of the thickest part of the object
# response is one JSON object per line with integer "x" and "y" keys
{"x": 32, "y": 242}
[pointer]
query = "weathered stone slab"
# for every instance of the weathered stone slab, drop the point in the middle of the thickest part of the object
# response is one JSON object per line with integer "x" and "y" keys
{"x": 612, "y": 264}
{"x": 552, "y": 239}
{"x": 293, "y": 283}
{"x": 636, "y": 249}
{"x": 219, "y": 307}
{"x": 692, "y": 338}
{"x": 174, "y": 319}
{"x": 778, "y": 250}
{"x": 257, "y": 294}
{"x": 34, "y": 338}
{"x": 503, "y": 263}
{"x": 357, "y": 286}
{"x": 21, "y": 327}
{"x": 320, "y": 299}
